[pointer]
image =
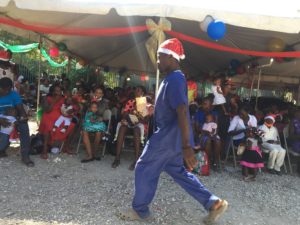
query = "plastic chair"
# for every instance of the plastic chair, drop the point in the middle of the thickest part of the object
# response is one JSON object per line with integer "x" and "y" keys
{"x": 288, "y": 151}
{"x": 231, "y": 147}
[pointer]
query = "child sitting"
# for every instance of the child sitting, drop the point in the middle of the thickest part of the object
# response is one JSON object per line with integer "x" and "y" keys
{"x": 10, "y": 115}
{"x": 252, "y": 156}
{"x": 209, "y": 130}
{"x": 219, "y": 99}
{"x": 92, "y": 122}
{"x": 67, "y": 112}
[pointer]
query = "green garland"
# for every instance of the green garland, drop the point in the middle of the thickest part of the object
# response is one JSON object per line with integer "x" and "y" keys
{"x": 19, "y": 48}
{"x": 28, "y": 48}
{"x": 51, "y": 62}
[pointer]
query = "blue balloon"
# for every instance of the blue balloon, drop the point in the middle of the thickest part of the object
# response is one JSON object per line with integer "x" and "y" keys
{"x": 234, "y": 63}
{"x": 216, "y": 30}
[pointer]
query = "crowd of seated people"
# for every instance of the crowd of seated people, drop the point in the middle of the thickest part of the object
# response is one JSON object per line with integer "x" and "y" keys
{"x": 67, "y": 110}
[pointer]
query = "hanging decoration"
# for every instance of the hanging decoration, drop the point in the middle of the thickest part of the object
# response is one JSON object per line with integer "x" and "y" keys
{"x": 54, "y": 52}
{"x": 51, "y": 62}
{"x": 276, "y": 45}
{"x": 218, "y": 47}
{"x": 216, "y": 30}
{"x": 157, "y": 36}
{"x": 135, "y": 29}
{"x": 204, "y": 24}
{"x": 62, "y": 46}
{"x": 19, "y": 48}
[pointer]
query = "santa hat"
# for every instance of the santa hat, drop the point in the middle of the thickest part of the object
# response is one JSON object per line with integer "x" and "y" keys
{"x": 172, "y": 47}
{"x": 4, "y": 56}
{"x": 271, "y": 117}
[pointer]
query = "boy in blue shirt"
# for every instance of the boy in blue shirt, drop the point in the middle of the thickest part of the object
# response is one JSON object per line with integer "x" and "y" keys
{"x": 171, "y": 144}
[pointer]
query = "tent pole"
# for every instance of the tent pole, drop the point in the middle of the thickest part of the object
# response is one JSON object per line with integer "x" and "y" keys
{"x": 252, "y": 84}
{"x": 39, "y": 79}
{"x": 258, "y": 86}
{"x": 157, "y": 70}
{"x": 298, "y": 99}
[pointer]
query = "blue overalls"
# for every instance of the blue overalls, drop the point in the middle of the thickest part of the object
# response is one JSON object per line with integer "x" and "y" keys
{"x": 163, "y": 152}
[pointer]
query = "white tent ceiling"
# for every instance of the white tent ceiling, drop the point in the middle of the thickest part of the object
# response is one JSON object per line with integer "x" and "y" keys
{"x": 129, "y": 50}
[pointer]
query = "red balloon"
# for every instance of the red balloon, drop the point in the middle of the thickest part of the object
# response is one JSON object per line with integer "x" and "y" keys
{"x": 240, "y": 70}
{"x": 54, "y": 52}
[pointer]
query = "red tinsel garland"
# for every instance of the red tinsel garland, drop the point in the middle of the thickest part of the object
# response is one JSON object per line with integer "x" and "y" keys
{"x": 128, "y": 30}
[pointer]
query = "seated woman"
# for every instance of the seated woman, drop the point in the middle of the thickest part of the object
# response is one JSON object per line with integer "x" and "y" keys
{"x": 211, "y": 144}
{"x": 294, "y": 133}
{"x": 51, "y": 112}
{"x": 126, "y": 123}
{"x": 240, "y": 123}
{"x": 94, "y": 122}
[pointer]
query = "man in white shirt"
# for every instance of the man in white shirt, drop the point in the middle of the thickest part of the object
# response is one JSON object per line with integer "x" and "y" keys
{"x": 272, "y": 145}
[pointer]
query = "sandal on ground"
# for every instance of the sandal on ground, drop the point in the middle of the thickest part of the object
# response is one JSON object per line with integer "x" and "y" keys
{"x": 116, "y": 163}
{"x": 132, "y": 166}
{"x": 28, "y": 162}
{"x": 215, "y": 214}
{"x": 87, "y": 160}
{"x": 98, "y": 158}
{"x": 44, "y": 156}
{"x": 130, "y": 214}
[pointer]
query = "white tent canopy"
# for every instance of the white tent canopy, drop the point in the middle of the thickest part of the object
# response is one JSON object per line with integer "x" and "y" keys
{"x": 248, "y": 27}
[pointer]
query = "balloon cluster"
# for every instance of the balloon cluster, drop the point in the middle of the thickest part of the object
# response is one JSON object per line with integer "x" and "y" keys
{"x": 278, "y": 45}
{"x": 215, "y": 29}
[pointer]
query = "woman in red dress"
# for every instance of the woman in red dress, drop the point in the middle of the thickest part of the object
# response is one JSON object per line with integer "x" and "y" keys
{"x": 51, "y": 107}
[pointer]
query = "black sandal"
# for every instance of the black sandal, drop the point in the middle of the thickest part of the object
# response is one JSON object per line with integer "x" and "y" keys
{"x": 87, "y": 160}
{"x": 28, "y": 162}
{"x": 116, "y": 163}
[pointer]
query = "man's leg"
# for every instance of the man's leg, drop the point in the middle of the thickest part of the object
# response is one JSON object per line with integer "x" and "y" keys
{"x": 272, "y": 157}
{"x": 147, "y": 171}
{"x": 193, "y": 186}
{"x": 190, "y": 183}
{"x": 23, "y": 129}
{"x": 279, "y": 159}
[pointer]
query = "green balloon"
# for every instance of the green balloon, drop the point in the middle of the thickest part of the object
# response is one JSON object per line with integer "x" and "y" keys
{"x": 62, "y": 46}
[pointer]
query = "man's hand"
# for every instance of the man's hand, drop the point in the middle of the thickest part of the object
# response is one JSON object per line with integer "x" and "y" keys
{"x": 189, "y": 157}
{"x": 4, "y": 122}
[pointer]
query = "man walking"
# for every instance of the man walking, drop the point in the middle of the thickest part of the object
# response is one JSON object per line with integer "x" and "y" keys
{"x": 171, "y": 144}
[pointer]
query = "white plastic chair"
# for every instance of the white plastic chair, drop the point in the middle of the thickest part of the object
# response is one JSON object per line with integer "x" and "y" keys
{"x": 288, "y": 151}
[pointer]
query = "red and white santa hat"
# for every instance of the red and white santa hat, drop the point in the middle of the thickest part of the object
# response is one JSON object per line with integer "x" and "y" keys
{"x": 271, "y": 117}
{"x": 172, "y": 47}
{"x": 4, "y": 55}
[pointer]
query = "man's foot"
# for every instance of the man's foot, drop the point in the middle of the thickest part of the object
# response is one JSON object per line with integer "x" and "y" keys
{"x": 87, "y": 160}
{"x": 132, "y": 166}
{"x": 3, "y": 154}
{"x": 131, "y": 215}
{"x": 116, "y": 163}
{"x": 278, "y": 173}
{"x": 28, "y": 162}
{"x": 271, "y": 171}
{"x": 217, "y": 210}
